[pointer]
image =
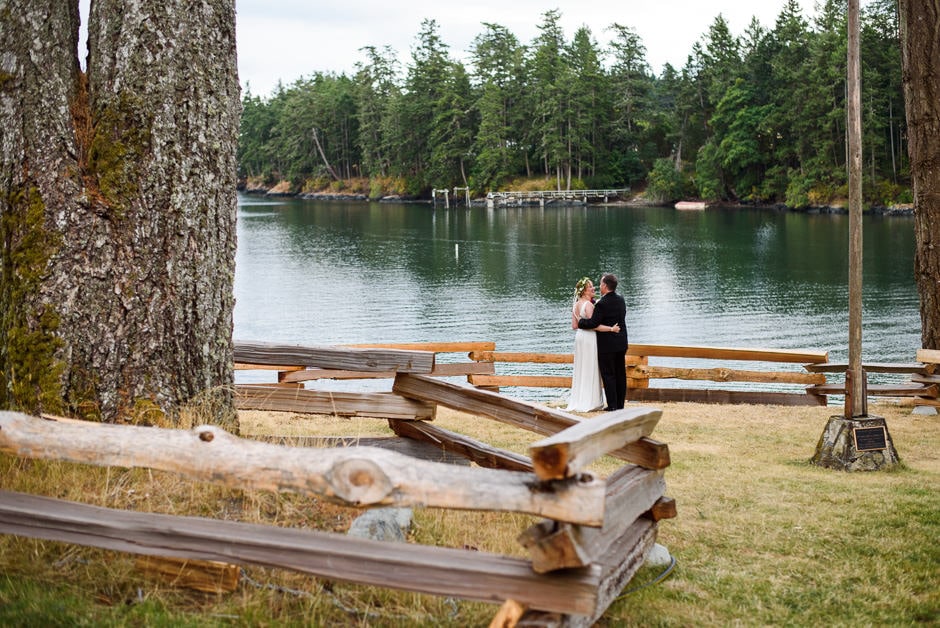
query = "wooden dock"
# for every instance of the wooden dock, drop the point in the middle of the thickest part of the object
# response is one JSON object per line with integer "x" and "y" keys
{"x": 542, "y": 197}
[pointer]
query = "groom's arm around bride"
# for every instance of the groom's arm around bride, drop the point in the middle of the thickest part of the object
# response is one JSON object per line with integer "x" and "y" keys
{"x": 611, "y": 347}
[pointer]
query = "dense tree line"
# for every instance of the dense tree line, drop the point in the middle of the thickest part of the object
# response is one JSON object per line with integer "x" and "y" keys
{"x": 757, "y": 117}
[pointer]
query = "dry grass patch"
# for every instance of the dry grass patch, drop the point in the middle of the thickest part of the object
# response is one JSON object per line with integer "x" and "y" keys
{"x": 765, "y": 538}
{"x": 762, "y": 536}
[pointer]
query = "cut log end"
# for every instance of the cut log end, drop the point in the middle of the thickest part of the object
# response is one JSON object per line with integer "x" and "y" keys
{"x": 509, "y": 614}
{"x": 550, "y": 462}
{"x": 360, "y": 482}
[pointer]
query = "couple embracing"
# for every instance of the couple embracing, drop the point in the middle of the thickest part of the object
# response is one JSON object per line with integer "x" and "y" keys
{"x": 600, "y": 347}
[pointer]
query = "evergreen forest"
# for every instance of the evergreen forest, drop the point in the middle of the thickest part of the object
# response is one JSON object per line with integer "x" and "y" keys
{"x": 756, "y": 117}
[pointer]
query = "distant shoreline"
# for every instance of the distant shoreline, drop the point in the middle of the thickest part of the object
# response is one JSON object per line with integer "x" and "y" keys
{"x": 894, "y": 210}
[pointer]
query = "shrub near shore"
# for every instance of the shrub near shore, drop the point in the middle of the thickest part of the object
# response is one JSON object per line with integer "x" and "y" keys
{"x": 762, "y": 536}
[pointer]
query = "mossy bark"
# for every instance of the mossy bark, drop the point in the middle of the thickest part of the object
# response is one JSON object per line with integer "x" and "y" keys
{"x": 118, "y": 206}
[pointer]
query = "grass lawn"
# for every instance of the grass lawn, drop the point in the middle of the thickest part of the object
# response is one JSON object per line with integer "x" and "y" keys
{"x": 765, "y": 538}
{"x": 762, "y": 536}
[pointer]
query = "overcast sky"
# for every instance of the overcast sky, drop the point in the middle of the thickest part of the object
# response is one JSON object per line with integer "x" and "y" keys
{"x": 290, "y": 39}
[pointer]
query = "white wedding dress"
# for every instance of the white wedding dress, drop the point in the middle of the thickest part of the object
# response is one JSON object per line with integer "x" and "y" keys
{"x": 587, "y": 391}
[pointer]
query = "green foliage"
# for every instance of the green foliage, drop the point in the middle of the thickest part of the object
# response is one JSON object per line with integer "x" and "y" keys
{"x": 375, "y": 189}
{"x": 315, "y": 184}
{"x": 798, "y": 191}
{"x": 665, "y": 183}
{"x": 376, "y": 95}
{"x": 757, "y": 117}
{"x": 883, "y": 193}
{"x": 708, "y": 173}
{"x": 452, "y": 131}
{"x": 497, "y": 152}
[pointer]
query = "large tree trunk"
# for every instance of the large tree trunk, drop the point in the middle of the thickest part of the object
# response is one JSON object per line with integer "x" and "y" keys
{"x": 39, "y": 186}
{"x": 920, "y": 63}
{"x": 118, "y": 205}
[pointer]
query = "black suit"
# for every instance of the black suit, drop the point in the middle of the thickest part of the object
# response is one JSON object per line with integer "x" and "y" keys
{"x": 611, "y": 347}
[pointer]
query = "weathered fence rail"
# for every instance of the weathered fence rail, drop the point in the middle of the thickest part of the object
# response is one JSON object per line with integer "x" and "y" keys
{"x": 929, "y": 377}
{"x": 603, "y": 527}
{"x": 437, "y": 570}
{"x": 803, "y": 382}
{"x": 640, "y": 372}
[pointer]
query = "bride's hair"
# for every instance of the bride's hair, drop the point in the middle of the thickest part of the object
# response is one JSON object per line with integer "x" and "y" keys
{"x": 580, "y": 286}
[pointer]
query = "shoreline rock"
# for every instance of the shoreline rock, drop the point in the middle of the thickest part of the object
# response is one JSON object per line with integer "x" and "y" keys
{"x": 333, "y": 196}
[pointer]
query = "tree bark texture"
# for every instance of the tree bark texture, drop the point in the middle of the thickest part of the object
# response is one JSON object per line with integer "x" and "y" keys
{"x": 118, "y": 205}
{"x": 920, "y": 64}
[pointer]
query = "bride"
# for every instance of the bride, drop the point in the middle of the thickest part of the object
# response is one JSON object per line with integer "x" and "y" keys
{"x": 587, "y": 392}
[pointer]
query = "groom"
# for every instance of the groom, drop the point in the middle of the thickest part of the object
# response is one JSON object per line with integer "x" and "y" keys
{"x": 611, "y": 347}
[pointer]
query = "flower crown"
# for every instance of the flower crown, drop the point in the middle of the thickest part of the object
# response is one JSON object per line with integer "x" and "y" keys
{"x": 580, "y": 286}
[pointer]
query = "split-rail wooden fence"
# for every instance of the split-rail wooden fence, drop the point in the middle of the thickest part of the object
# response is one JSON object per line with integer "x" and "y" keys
{"x": 802, "y": 380}
{"x": 595, "y": 534}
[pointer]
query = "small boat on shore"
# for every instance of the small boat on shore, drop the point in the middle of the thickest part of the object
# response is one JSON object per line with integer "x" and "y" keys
{"x": 691, "y": 205}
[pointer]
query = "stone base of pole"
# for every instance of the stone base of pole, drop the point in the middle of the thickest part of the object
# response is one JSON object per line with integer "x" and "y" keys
{"x": 858, "y": 444}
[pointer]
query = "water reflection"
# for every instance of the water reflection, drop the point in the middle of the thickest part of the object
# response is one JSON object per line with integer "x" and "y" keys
{"x": 324, "y": 273}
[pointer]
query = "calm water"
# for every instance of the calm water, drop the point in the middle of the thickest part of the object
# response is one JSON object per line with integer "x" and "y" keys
{"x": 334, "y": 273}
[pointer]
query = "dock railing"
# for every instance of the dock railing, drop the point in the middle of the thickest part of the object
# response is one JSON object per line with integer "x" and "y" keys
{"x": 548, "y": 196}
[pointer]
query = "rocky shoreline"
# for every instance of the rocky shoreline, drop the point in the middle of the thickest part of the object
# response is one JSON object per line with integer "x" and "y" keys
{"x": 893, "y": 210}
{"x": 328, "y": 196}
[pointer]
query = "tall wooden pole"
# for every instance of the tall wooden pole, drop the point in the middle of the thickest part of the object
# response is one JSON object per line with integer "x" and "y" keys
{"x": 857, "y": 404}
